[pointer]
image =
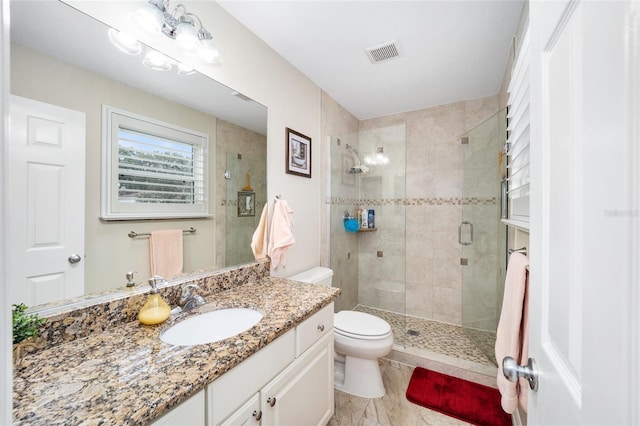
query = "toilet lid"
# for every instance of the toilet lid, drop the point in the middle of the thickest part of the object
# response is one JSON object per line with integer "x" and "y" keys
{"x": 360, "y": 323}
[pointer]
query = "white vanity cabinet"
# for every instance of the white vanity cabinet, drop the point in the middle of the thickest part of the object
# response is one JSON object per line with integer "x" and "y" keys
{"x": 263, "y": 391}
{"x": 189, "y": 413}
{"x": 303, "y": 393}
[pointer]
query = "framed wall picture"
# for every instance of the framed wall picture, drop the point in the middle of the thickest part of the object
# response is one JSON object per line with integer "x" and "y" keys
{"x": 298, "y": 161}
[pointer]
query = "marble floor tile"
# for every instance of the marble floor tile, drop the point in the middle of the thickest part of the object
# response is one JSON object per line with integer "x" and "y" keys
{"x": 442, "y": 346}
{"x": 393, "y": 409}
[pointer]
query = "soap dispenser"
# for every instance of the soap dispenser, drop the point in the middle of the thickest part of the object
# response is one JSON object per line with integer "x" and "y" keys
{"x": 155, "y": 310}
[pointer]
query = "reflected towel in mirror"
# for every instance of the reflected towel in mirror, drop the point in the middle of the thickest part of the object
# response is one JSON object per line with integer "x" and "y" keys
{"x": 165, "y": 252}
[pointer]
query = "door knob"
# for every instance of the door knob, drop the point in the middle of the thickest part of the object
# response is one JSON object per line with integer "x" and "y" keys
{"x": 512, "y": 371}
{"x": 74, "y": 258}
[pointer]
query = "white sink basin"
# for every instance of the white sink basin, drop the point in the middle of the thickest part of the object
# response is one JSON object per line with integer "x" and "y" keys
{"x": 211, "y": 326}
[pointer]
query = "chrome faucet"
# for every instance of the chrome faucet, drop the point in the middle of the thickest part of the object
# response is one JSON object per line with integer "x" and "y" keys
{"x": 190, "y": 299}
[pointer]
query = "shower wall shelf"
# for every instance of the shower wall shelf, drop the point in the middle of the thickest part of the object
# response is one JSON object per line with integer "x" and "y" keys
{"x": 367, "y": 229}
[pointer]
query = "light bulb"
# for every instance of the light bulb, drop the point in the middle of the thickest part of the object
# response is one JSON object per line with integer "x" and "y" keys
{"x": 149, "y": 19}
{"x": 124, "y": 42}
{"x": 185, "y": 69}
{"x": 208, "y": 52}
{"x": 187, "y": 37}
{"x": 156, "y": 61}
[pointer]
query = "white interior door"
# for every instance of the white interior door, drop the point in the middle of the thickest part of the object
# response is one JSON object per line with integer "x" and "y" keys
{"x": 584, "y": 70}
{"x": 46, "y": 202}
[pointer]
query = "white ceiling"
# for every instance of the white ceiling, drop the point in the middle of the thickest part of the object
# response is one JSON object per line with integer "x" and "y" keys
{"x": 450, "y": 50}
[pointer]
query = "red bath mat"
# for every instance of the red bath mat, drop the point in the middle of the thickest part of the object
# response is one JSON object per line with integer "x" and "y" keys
{"x": 464, "y": 400}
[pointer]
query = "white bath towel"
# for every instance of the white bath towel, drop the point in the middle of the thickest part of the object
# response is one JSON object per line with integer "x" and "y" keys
{"x": 512, "y": 333}
{"x": 165, "y": 252}
{"x": 259, "y": 239}
{"x": 280, "y": 233}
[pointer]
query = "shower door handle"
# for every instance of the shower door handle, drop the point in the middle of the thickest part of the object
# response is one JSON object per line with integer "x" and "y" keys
{"x": 465, "y": 243}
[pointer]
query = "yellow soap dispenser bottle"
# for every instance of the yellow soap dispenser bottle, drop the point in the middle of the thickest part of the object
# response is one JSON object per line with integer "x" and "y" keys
{"x": 155, "y": 310}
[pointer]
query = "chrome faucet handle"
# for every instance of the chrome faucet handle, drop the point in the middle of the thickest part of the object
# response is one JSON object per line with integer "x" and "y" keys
{"x": 187, "y": 296}
{"x": 186, "y": 293}
{"x": 157, "y": 279}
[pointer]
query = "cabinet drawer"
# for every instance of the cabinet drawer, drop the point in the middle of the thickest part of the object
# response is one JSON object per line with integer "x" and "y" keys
{"x": 189, "y": 413}
{"x": 313, "y": 328}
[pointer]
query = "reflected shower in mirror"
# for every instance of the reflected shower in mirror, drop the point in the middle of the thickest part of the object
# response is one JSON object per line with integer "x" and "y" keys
{"x": 64, "y": 58}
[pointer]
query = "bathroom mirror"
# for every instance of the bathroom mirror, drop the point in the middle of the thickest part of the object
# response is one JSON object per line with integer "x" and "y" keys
{"x": 62, "y": 57}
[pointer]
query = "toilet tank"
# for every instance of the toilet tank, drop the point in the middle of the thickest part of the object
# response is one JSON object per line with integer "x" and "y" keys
{"x": 317, "y": 275}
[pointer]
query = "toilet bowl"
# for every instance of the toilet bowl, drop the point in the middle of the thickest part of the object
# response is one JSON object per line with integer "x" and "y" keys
{"x": 359, "y": 340}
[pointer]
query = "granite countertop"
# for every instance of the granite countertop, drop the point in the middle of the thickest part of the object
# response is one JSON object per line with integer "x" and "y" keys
{"x": 127, "y": 375}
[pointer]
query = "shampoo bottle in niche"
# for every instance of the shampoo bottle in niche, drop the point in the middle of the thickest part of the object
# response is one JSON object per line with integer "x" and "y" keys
{"x": 155, "y": 310}
{"x": 372, "y": 218}
{"x": 365, "y": 219}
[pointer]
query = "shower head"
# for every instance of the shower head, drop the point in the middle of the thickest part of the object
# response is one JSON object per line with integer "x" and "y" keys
{"x": 359, "y": 167}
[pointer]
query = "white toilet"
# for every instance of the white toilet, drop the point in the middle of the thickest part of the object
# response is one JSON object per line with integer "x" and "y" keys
{"x": 359, "y": 340}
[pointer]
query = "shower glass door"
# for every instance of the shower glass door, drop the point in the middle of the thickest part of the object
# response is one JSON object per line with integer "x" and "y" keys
{"x": 246, "y": 194}
{"x": 370, "y": 265}
{"x": 482, "y": 235}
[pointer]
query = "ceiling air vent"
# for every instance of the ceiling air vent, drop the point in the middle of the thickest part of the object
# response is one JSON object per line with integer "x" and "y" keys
{"x": 383, "y": 51}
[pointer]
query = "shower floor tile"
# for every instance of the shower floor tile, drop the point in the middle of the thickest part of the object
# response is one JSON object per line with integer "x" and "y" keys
{"x": 445, "y": 340}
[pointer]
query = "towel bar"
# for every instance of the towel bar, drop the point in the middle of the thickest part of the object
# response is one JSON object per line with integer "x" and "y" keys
{"x": 522, "y": 250}
{"x": 134, "y": 234}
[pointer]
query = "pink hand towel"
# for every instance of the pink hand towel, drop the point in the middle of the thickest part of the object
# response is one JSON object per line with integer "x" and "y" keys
{"x": 259, "y": 239}
{"x": 165, "y": 252}
{"x": 280, "y": 233}
{"x": 512, "y": 331}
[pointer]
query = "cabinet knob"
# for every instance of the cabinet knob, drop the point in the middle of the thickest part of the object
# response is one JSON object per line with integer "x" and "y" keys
{"x": 271, "y": 401}
{"x": 321, "y": 327}
{"x": 257, "y": 415}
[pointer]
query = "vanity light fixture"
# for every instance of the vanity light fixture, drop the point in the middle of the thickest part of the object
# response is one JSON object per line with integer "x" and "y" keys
{"x": 185, "y": 69}
{"x": 157, "y": 61}
{"x": 125, "y": 43}
{"x": 156, "y": 17}
{"x": 152, "y": 58}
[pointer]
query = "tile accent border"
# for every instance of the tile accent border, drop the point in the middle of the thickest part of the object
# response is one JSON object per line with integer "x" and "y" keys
{"x": 470, "y": 201}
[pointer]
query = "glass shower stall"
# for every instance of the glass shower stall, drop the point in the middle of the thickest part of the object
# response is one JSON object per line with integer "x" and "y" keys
{"x": 387, "y": 270}
{"x": 481, "y": 232}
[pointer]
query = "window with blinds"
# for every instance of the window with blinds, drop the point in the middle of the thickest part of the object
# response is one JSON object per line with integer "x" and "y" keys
{"x": 518, "y": 136}
{"x": 153, "y": 169}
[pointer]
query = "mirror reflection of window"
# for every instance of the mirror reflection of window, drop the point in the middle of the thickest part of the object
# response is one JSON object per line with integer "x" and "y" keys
{"x": 154, "y": 169}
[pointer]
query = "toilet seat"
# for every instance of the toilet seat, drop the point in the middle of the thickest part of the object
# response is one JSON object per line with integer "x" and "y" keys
{"x": 360, "y": 325}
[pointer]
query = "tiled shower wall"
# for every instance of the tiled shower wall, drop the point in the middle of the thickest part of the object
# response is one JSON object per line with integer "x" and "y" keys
{"x": 434, "y": 183}
{"x": 233, "y": 233}
{"x": 432, "y": 205}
